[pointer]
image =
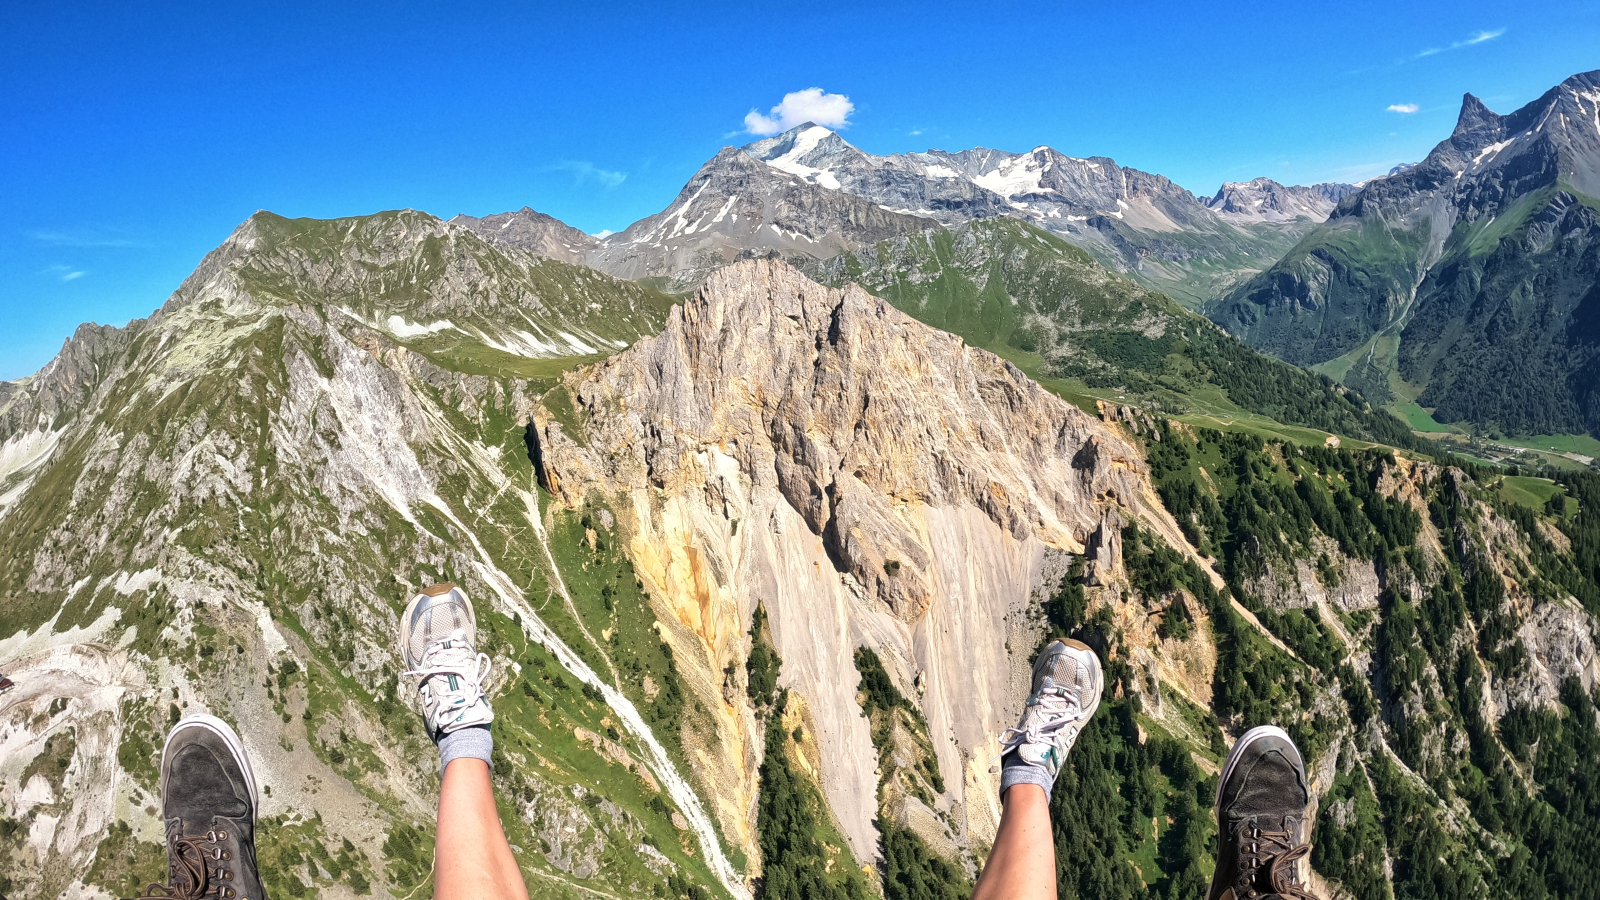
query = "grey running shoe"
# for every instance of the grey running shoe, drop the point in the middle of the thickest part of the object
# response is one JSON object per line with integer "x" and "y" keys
{"x": 1261, "y": 809}
{"x": 1066, "y": 691}
{"x": 209, "y": 801}
{"x": 438, "y": 638}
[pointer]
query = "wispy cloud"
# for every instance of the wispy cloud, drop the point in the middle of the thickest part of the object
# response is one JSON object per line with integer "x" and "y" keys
{"x": 1477, "y": 38}
{"x": 80, "y": 239}
{"x": 583, "y": 171}
{"x": 1407, "y": 108}
{"x": 810, "y": 105}
{"x": 65, "y": 273}
{"x": 914, "y": 132}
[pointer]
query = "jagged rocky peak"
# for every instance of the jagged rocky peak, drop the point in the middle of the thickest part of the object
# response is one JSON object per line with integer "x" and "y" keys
{"x": 807, "y": 150}
{"x": 813, "y": 390}
{"x": 1555, "y": 138}
{"x": 737, "y": 206}
{"x": 868, "y": 480}
{"x": 533, "y": 231}
{"x": 1265, "y": 200}
{"x": 1475, "y": 116}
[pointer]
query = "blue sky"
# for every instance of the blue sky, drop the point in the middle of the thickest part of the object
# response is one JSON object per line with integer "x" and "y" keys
{"x": 135, "y": 137}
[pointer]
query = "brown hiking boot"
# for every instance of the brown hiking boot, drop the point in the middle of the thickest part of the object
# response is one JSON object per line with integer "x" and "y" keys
{"x": 1261, "y": 829}
{"x": 209, "y": 801}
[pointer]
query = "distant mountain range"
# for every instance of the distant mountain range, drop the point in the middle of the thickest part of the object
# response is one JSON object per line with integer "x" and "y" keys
{"x": 1466, "y": 283}
{"x": 809, "y": 194}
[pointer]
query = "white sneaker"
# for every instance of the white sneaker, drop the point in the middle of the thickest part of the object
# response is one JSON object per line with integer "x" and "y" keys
{"x": 1066, "y": 691}
{"x": 438, "y": 640}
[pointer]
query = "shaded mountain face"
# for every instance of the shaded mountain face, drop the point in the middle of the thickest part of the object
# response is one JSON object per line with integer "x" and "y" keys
{"x": 1460, "y": 281}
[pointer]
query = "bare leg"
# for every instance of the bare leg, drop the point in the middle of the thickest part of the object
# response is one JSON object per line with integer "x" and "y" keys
{"x": 1022, "y": 865}
{"x": 471, "y": 858}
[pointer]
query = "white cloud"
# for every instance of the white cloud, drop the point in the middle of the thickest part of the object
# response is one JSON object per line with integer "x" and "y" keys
{"x": 810, "y": 105}
{"x": 587, "y": 171}
{"x": 602, "y": 233}
{"x": 1407, "y": 108}
{"x": 80, "y": 239}
{"x": 1477, "y": 38}
{"x": 65, "y": 273}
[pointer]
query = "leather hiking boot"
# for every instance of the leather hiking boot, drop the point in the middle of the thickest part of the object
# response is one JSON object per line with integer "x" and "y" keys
{"x": 1067, "y": 683}
{"x": 1262, "y": 798}
{"x": 438, "y": 640}
{"x": 209, "y": 801}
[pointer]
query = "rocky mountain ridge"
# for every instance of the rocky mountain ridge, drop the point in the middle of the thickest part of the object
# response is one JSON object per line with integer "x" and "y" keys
{"x": 805, "y": 202}
{"x": 1265, "y": 200}
{"x": 1460, "y": 282}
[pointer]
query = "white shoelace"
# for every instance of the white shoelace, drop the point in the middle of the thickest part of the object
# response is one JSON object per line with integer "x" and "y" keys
{"x": 469, "y": 668}
{"x": 1061, "y": 710}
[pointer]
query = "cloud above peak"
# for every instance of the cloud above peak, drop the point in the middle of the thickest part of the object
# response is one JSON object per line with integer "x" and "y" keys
{"x": 810, "y": 105}
{"x": 1407, "y": 108}
{"x": 1477, "y": 38}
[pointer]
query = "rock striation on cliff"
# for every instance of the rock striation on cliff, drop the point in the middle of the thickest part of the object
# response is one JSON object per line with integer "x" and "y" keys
{"x": 870, "y": 481}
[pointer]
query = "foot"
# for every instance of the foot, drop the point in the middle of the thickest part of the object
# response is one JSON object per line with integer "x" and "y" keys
{"x": 1066, "y": 691}
{"x": 1261, "y": 811}
{"x": 438, "y": 639}
{"x": 209, "y": 801}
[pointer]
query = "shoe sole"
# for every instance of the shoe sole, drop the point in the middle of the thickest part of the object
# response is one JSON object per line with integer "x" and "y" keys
{"x": 1250, "y": 737}
{"x": 405, "y": 620}
{"x": 230, "y": 738}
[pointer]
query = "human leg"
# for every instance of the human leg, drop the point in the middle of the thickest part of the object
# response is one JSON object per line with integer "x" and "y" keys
{"x": 471, "y": 856}
{"x": 438, "y": 636}
{"x": 209, "y": 800}
{"x": 1067, "y": 684}
{"x": 1262, "y": 798}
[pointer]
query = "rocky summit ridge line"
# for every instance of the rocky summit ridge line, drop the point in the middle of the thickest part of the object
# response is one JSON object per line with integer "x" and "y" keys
{"x": 1465, "y": 284}
{"x": 809, "y": 194}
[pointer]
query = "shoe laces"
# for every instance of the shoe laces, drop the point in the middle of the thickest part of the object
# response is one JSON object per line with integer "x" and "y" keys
{"x": 1277, "y": 852}
{"x": 1060, "y": 711}
{"x": 464, "y": 671}
{"x": 191, "y": 878}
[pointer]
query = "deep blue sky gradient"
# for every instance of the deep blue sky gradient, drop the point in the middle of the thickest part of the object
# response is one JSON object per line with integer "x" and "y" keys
{"x": 135, "y": 137}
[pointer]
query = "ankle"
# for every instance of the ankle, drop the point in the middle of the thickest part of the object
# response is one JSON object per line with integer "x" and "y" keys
{"x": 472, "y": 742}
{"x": 1014, "y": 770}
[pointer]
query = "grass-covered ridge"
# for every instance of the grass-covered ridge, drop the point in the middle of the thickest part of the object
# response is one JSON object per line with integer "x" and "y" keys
{"x": 1047, "y": 306}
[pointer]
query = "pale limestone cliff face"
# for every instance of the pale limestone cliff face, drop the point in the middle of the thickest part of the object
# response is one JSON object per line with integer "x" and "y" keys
{"x": 785, "y": 444}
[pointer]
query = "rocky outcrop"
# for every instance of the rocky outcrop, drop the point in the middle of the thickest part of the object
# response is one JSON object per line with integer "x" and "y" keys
{"x": 533, "y": 231}
{"x": 869, "y": 480}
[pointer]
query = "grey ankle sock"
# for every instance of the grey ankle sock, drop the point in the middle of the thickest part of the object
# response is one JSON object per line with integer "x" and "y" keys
{"x": 1014, "y": 771}
{"x": 474, "y": 742}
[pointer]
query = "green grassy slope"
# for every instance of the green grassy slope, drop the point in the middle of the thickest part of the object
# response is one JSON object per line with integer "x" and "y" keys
{"x": 1089, "y": 334}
